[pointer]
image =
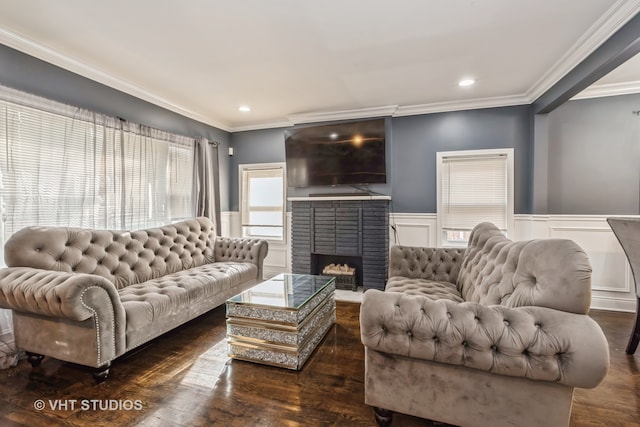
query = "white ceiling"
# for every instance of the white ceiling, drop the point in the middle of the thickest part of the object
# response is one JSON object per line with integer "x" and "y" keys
{"x": 293, "y": 61}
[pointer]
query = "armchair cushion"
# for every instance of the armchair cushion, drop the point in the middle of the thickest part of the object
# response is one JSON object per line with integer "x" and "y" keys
{"x": 427, "y": 288}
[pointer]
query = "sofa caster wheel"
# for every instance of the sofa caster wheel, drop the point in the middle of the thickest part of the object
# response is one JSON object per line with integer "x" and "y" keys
{"x": 384, "y": 417}
{"x": 100, "y": 374}
{"x": 34, "y": 359}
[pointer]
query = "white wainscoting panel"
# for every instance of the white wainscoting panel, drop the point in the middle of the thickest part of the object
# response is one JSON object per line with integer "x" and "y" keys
{"x": 230, "y": 224}
{"x": 612, "y": 282}
{"x": 276, "y": 261}
{"x": 413, "y": 229}
{"x": 279, "y": 255}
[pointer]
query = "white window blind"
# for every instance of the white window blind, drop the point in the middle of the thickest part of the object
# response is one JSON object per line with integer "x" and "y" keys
{"x": 64, "y": 166}
{"x": 473, "y": 188}
{"x": 262, "y": 201}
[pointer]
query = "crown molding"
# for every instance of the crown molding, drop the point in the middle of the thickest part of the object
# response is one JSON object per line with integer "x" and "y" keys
{"x": 471, "y": 104}
{"x": 611, "y": 89}
{"x": 614, "y": 18}
{"x": 51, "y": 56}
{"x": 325, "y": 116}
{"x": 259, "y": 126}
{"x": 320, "y": 116}
{"x": 620, "y": 13}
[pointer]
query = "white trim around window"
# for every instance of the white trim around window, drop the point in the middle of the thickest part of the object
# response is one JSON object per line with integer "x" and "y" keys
{"x": 263, "y": 200}
{"x": 473, "y": 186}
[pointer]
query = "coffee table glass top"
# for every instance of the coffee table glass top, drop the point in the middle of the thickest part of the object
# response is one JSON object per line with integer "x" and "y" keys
{"x": 284, "y": 290}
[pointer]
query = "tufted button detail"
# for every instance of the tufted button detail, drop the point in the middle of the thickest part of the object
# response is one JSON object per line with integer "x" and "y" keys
{"x": 506, "y": 322}
{"x": 409, "y": 334}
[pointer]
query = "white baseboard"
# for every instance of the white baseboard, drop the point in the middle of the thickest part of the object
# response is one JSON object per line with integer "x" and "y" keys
{"x": 613, "y": 304}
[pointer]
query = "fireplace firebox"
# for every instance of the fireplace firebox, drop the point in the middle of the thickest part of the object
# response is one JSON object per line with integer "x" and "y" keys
{"x": 344, "y": 280}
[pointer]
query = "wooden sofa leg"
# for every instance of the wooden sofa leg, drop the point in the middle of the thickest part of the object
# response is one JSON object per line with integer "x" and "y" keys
{"x": 635, "y": 334}
{"x": 34, "y": 359}
{"x": 100, "y": 374}
{"x": 384, "y": 417}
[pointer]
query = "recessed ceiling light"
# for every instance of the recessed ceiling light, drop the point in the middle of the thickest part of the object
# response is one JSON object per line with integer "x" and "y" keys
{"x": 466, "y": 82}
{"x": 244, "y": 108}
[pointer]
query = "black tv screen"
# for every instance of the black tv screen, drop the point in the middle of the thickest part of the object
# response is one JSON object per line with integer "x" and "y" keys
{"x": 339, "y": 154}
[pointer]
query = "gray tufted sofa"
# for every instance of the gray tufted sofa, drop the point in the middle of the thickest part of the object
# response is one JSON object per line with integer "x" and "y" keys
{"x": 496, "y": 334}
{"x": 89, "y": 296}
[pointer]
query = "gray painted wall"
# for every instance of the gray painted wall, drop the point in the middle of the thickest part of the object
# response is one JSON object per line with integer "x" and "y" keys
{"x": 267, "y": 146}
{"x": 29, "y": 74}
{"x": 255, "y": 146}
{"x": 417, "y": 139}
{"x": 412, "y": 144}
{"x": 594, "y": 157}
{"x": 588, "y": 163}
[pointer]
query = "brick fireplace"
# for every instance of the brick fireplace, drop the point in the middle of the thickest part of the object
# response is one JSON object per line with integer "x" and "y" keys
{"x": 353, "y": 230}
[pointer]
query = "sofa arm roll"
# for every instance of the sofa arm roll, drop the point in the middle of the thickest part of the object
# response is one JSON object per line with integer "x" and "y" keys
{"x": 242, "y": 250}
{"x": 55, "y": 293}
{"x": 439, "y": 264}
{"x": 532, "y": 342}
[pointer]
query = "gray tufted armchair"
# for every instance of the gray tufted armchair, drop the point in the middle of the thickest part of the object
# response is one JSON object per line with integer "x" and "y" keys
{"x": 496, "y": 334}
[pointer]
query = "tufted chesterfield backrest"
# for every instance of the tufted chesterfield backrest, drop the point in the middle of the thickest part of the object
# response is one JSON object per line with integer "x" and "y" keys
{"x": 123, "y": 257}
{"x": 440, "y": 264}
{"x": 553, "y": 273}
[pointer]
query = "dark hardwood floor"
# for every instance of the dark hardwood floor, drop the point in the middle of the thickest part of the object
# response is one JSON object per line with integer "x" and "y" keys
{"x": 185, "y": 378}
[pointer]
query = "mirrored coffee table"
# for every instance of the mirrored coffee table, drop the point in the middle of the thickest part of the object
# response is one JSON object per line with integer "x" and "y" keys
{"x": 280, "y": 321}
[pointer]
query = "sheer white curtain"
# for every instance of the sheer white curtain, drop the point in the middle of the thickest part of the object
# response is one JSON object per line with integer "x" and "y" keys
{"x": 154, "y": 194}
{"x": 64, "y": 166}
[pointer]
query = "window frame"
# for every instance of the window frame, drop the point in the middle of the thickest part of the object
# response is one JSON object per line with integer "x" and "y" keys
{"x": 247, "y": 168}
{"x": 475, "y": 154}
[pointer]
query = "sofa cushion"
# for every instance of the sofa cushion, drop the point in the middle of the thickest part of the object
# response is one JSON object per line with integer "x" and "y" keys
{"x": 431, "y": 289}
{"x": 159, "y": 298}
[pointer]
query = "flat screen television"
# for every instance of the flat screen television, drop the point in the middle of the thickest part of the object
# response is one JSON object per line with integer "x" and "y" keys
{"x": 350, "y": 153}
